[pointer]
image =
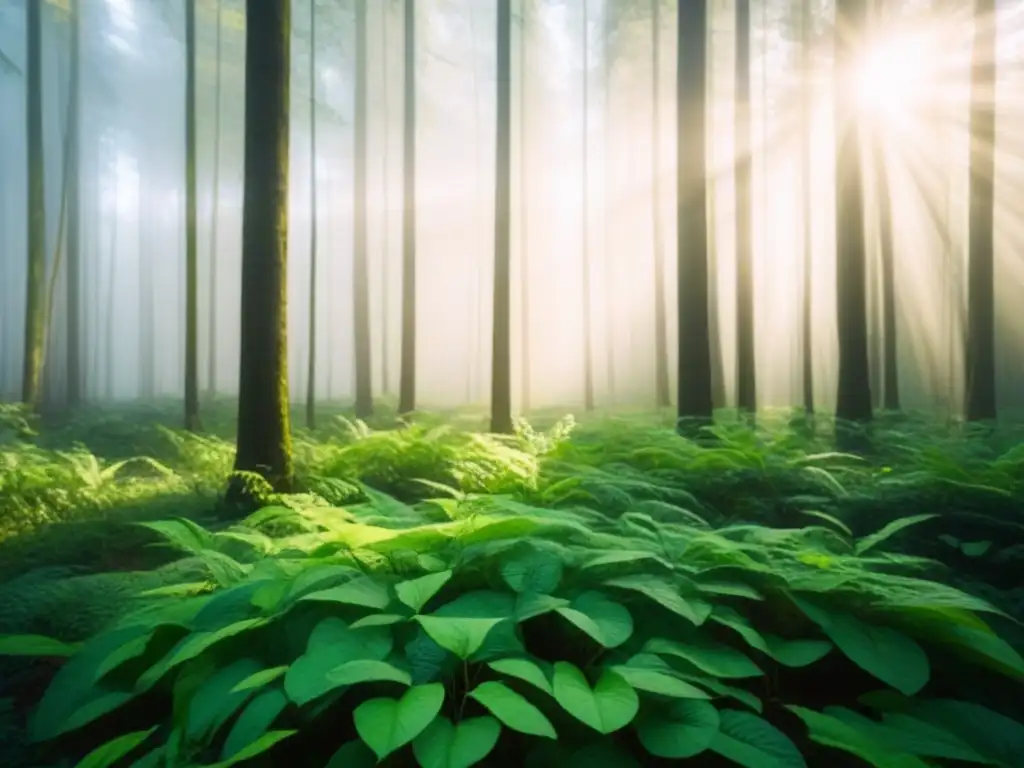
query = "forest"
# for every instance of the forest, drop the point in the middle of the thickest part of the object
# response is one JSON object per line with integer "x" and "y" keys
{"x": 443, "y": 383}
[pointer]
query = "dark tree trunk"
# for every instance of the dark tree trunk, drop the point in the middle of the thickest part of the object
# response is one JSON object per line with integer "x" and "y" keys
{"x": 191, "y": 281}
{"x": 211, "y": 347}
{"x": 746, "y": 381}
{"x": 35, "y": 296}
{"x": 807, "y": 297}
{"x": 74, "y": 319}
{"x": 890, "y": 382}
{"x": 853, "y": 401}
{"x": 980, "y": 354}
{"x": 407, "y": 381}
{"x": 360, "y": 270}
{"x": 588, "y": 333}
{"x": 311, "y": 370}
{"x": 385, "y": 259}
{"x": 524, "y": 223}
{"x": 662, "y": 396}
{"x": 694, "y": 400}
{"x": 264, "y": 440}
{"x": 501, "y": 354}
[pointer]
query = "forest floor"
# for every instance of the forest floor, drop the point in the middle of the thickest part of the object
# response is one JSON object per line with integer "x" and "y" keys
{"x": 118, "y": 512}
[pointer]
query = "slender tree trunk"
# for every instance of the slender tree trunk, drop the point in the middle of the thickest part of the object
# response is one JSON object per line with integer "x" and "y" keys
{"x": 662, "y": 396}
{"x": 111, "y": 291}
{"x": 407, "y": 381}
{"x": 501, "y": 353}
{"x": 588, "y": 333}
{"x": 311, "y": 370}
{"x": 746, "y": 381}
{"x": 385, "y": 305}
{"x": 211, "y": 346}
{"x": 890, "y": 386}
{"x": 35, "y": 310}
{"x": 807, "y": 297}
{"x": 980, "y": 354}
{"x": 609, "y": 257}
{"x": 73, "y": 297}
{"x": 360, "y": 271}
{"x": 264, "y": 440}
{"x": 694, "y": 398}
{"x": 191, "y": 263}
{"x": 853, "y": 401}
{"x": 524, "y": 224}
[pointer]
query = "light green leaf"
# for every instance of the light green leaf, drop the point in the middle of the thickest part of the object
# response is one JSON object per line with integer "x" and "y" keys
{"x": 512, "y": 709}
{"x": 532, "y": 604}
{"x": 387, "y": 725}
{"x": 694, "y": 609}
{"x": 608, "y": 623}
{"x": 714, "y": 658}
{"x": 263, "y": 744}
{"x": 258, "y": 715}
{"x": 661, "y": 683}
{"x": 610, "y": 705}
{"x": 259, "y": 679}
{"x": 111, "y": 752}
{"x": 889, "y": 530}
{"x": 525, "y": 670}
{"x": 191, "y": 646}
{"x": 330, "y": 645}
{"x": 378, "y": 620}
{"x": 832, "y": 732}
{"x": 537, "y": 571}
{"x": 36, "y": 645}
{"x": 355, "y": 754}
{"x": 684, "y": 728}
{"x": 752, "y": 742}
{"x": 363, "y": 591}
{"x": 213, "y": 701}
{"x": 463, "y": 637}
{"x": 443, "y": 745}
{"x": 415, "y": 593}
{"x": 367, "y": 670}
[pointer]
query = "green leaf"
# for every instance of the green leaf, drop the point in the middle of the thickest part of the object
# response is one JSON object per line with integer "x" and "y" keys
{"x": 36, "y": 645}
{"x": 364, "y": 591}
{"x": 610, "y": 705}
{"x": 259, "y": 679}
{"x": 213, "y": 702}
{"x": 661, "y": 683}
{"x": 109, "y": 754}
{"x": 191, "y": 646}
{"x": 259, "y": 714}
{"x": 684, "y": 728}
{"x": 537, "y": 571}
{"x": 331, "y": 644}
{"x": 443, "y": 745}
{"x": 263, "y": 744}
{"x": 752, "y": 742}
{"x": 513, "y": 710}
{"x": 378, "y": 620}
{"x": 993, "y": 735}
{"x": 355, "y": 754}
{"x": 367, "y": 670}
{"x": 889, "y": 530}
{"x": 714, "y": 658}
{"x": 525, "y": 670}
{"x": 387, "y": 725}
{"x": 888, "y": 654}
{"x": 624, "y": 556}
{"x": 605, "y": 621}
{"x": 789, "y": 653}
{"x": 693, "y": 609}
{"x": 532, "y": 604}
{"x": 832, "y": 732}
{"x": 415, "y": 593}
{"x": 463, "y": 637}
{"x": 975, "y": 548}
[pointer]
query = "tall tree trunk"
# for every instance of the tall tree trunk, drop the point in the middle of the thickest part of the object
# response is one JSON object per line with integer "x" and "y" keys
{"x": 211, "y": 346}
{"x": 501, "y": 353}
{"x": 890, "y": 361}
{"x": 264, "y": 439}
{"x": 610, "y": 295}
{"x": 74, "y": 319}
{"x": 360, "y": 270}
{"x": 191, "y": 264}
{"x": 385, "y": 259}
{"x": 35, "y": 310}
{"x": 980, "y": 353}
{"x": 524, "y": 223}
{"x": 311, "y": 370}
{"x": 746, "y": 381}
{"x": 694, "y": 399}
{"x": 807, "y": 291}
{"x": 588, "y": 343}
{"x": 111, "y": 292}
{"x": 407, "y": 377}
{"x": 662, "y": 396}
{"x": 853, "y": 401}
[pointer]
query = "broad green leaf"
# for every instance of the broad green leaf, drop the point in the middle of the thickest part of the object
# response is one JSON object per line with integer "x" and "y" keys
{"x": 730, "y": 589}
{"x": 909, "y": 735}
{"x": 512, "y": 709}
{"x": 213, "y": 702}
{"x": 532, "y": 604}
{"x": 624, "y": 556}
{"x": 684, "y": 728}
{"x": 443, "y": 745}
{"x": 427, "y": 660}
{"x": 752, "y": 742}
{"x": 355, "y": 754}
{"x": 479, "y": 604}
{"x": 115, "y": 749}
{"x": 832, "y": 732}
{"x": 608, "y": 623}
{"x": 714, "y": 658}
{"x": 525, "y": 670}
{"x": 254, "y": 721}
{"x": 975, "y": 548}
{"x": 537, "y": 571}
{"x": 367, "y": 670}
{"x": 330, "y": 645}
{"x": 662, "y": 683}
{"x": 36, "y": 645}
{"x": 259, "y": 679}
{"x": 888, "y": 654}
{"x": 191, "y": 646}
{"x": 610, "y": 705}
{"x": 463, "y": 637}
{"x": 797, "y": 653}
{"x": 263, "y": 744}
{"x": 378, "y": 620}
{"x": 387, "y": 725}
{"x": 364, "y": 591}
{"x": 415, "y": 593}
{"x": 995, "y": 736}
{"x": 693, "y": 609}
{"x": 889, "y": 530}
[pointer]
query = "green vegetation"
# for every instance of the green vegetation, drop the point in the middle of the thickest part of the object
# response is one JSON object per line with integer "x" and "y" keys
{"x": 437, "y": 596}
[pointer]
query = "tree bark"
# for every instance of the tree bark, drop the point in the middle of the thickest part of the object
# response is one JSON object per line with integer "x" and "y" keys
{"x": 191, "y": 255}
{"x": 588, "y": 343}
{"x": 501, "y": 353}
{"x": 311, "y": 369}
{"x": 360, "y": 270}
{"x": 74, "y": 319}
{"x": 211, "y": 346}
{"x": 807, "y": 297}
{"x": 746, "y": 381}
{"x": 407, "y": 379}
{"x": 661, "y": 395}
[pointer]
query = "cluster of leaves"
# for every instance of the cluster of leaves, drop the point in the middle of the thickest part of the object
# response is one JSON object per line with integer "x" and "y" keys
{"x": 475, "y": 629}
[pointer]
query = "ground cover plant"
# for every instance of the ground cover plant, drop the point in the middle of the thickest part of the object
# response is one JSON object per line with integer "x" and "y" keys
{"x": 437, "y": 596}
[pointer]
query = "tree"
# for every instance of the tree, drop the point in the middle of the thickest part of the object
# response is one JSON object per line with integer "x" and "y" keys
{"x": 694, "y": 374}
{"x": 588, "y": 344}
{"x": 807, "y": 289}
{"x": 73, "y": 284}
{"x": 746, "y": 382}
{"x": 526, "y": 12}
{"x": 211, "y": 346}
{"x": 311, "y": 370}
{"x": 501, "y": 355}
{"x": 407, "y": 376}
{"x": 35, "y": 304}
{"x": 264, "y": 440}
{"x": 360, "y": 269}
{"x": 853, "y": 401}
{"x": 661, "y": 378}
{"x": 191, "y": 255}
{"x": 980, "y": 353}
{"x": 890, "y": 360}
